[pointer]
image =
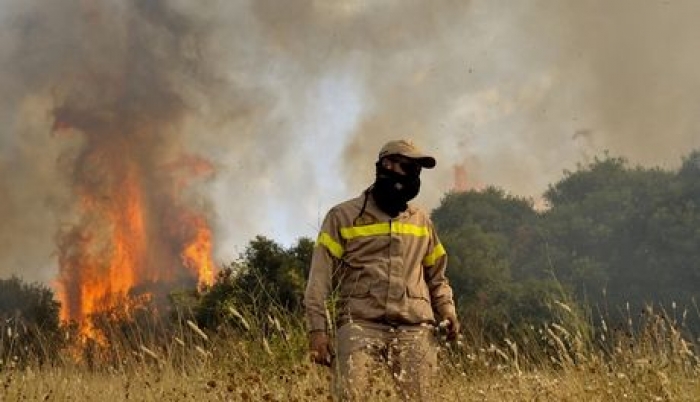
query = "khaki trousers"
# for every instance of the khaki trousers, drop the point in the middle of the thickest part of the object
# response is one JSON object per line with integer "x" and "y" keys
{"x": 409, "y": 352}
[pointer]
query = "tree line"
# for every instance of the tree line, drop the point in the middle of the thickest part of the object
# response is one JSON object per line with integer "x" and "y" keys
{"x": 613, "y": 241}
{"x": 620, "y": 241}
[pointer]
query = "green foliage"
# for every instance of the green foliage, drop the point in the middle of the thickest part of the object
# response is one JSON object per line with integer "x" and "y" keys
{"x": 29, "y": 321}
{"x": 268, "y": 279}
{"x": 491, "y": 239}
{"x": 273, "y": 275}
{"x": 619, "y": 234}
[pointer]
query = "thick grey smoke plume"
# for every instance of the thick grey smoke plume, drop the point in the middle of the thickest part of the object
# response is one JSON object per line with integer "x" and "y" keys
{"x": 518, "y": 91}
{"x": 117, "y": 81}
{"x": 291, "y": 100}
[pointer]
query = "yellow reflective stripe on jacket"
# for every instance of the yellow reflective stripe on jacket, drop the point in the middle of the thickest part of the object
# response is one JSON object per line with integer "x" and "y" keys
{"x": 431, "y": 258}
{"x": 383, "y": 228}
{"x": 333, "y": 246}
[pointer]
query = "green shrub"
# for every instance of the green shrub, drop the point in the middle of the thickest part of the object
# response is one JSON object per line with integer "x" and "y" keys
{"x": 30, "y": 327}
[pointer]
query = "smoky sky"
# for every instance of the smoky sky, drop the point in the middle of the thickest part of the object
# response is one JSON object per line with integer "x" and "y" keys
{"x": 290, "y": 101}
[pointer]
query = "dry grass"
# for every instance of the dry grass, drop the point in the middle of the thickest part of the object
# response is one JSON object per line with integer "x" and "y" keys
{"x": 556, "y": 363}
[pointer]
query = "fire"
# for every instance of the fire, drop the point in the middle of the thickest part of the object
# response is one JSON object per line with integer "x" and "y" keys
{"x": 460, "y": 178}
{"x": 136, "y": 229}
{"x": 127, "y": 239}
{"x": 197, "y": 254}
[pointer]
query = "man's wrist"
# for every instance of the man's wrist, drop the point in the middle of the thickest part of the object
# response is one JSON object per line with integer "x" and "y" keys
{"x": 446, "y": 310}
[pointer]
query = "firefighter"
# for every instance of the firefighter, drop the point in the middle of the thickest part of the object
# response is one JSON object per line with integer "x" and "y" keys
{"x": 382, "y": 260}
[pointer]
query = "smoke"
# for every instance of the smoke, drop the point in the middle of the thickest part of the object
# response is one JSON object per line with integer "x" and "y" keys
{"x": 518, "y": 92}
{"x": 291, "y": 101}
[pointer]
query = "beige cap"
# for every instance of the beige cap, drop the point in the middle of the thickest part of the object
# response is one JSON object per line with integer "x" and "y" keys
{"x": 408, "y": 149}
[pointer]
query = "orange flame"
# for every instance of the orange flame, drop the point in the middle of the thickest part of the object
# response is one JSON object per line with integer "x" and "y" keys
{"x": 107, "y": 267}
{"x": 122, "y": 244}
{"x": 460, "y": 178}
{"x": 197, "y": 254}
{"x": 134, "y": 233}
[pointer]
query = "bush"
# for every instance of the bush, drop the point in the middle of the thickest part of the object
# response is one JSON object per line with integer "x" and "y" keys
{"x": 268, "y": 279}
{"x": 30, "y": 327}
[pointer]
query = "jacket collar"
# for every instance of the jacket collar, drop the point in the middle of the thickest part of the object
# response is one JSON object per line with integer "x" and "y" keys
{"x": 377, "y": 214}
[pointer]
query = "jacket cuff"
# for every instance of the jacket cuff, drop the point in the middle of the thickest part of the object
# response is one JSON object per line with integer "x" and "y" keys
{"x": 446, "y": 310}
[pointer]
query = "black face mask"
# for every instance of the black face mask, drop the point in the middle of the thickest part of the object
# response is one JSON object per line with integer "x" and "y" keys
{"x": 392, "y": 190}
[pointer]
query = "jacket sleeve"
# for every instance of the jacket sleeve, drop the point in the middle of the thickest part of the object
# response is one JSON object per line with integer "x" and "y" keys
{"x": 326, "y": 256}
{"x": 435, "y": 265}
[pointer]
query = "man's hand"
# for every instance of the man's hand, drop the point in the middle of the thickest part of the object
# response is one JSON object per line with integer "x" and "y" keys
{"x": 451, "y": 323}
{"x": 320, "y": 348}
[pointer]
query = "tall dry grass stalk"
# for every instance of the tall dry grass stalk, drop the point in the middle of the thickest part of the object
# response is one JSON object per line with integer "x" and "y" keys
{"x": 263, "y": 357}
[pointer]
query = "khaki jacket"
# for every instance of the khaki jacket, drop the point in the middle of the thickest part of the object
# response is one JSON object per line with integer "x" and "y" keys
{"x": 381, "y": 269}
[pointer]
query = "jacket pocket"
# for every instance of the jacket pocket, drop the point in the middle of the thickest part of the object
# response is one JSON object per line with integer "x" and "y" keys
{"x": 418, "y": 292}
{"x": 418, "y": 304}
{"x": 355, "y": 289}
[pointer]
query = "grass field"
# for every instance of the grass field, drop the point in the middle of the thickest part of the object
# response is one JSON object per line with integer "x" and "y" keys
{"x": 554, "y": 363}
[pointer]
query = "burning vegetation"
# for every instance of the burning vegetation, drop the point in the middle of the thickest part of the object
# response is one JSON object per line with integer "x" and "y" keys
{"x": 137, "y": 230}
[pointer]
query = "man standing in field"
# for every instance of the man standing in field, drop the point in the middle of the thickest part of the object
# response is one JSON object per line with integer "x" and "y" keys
{"x": 384, "y": 261}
